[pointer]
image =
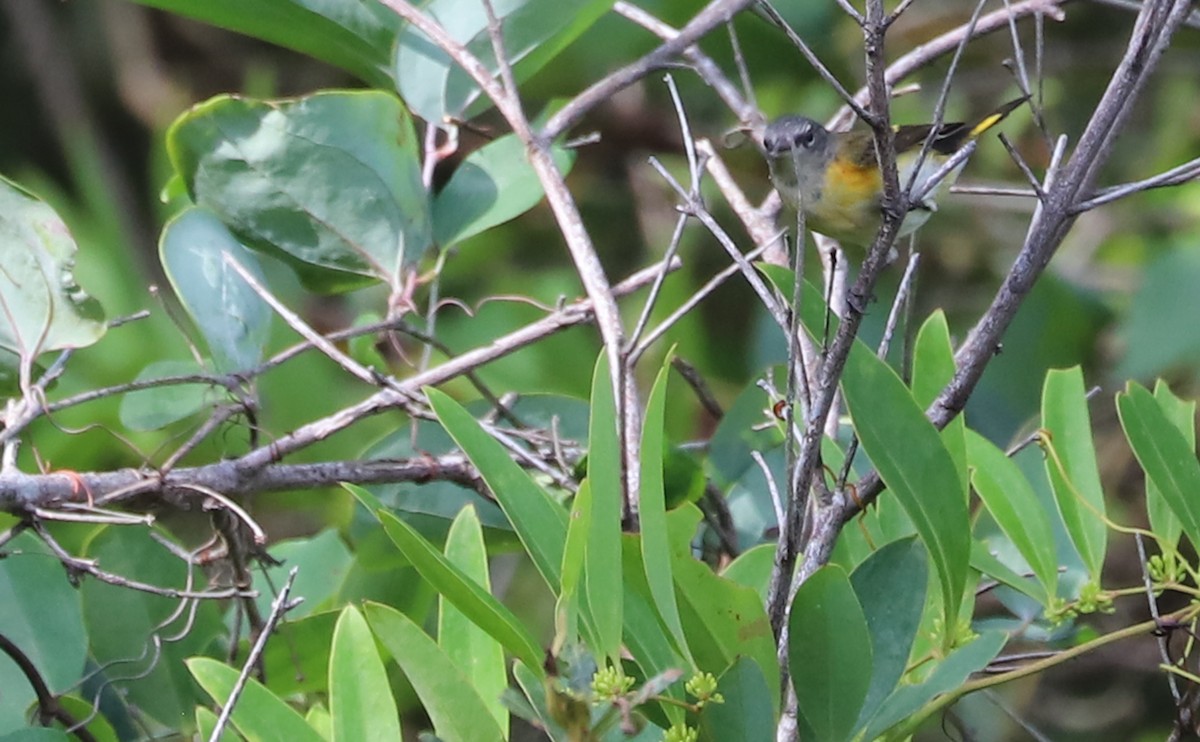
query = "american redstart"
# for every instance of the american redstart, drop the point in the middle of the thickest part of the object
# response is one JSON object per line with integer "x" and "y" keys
{"x": 835, "y": 178}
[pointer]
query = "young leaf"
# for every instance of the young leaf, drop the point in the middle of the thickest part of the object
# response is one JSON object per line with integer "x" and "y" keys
{"x": 260, "y": 715}
{"x": 540, "y": 523}
{"x": 916, "y": 467}
{"x": 493, "y": 184}
{"x": 42, "y": 308}
{"x": 234, "y": 320}
{"x": 457, "y": 711}
{"x": 478, "y": 655}
{"x": 1014, "y": 505}
{"x": 1071, "y": 465}
{"x": 829, "y": 653}
{"x": 330, "y": 182}
{"x": 1164, "y": 453}
{"x": 601, "y": 575}
{"x": 360, "y": 697}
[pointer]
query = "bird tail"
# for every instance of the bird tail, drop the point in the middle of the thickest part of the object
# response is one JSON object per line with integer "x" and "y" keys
{"x": 995, "y": 117}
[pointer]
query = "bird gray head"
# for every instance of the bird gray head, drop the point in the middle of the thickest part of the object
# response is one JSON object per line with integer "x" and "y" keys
{"x": 792, "y": 133}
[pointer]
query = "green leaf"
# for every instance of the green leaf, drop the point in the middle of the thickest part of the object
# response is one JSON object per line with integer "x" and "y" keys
{"x": 458, "y": 588}
{"x": 890, "y": 586}
{"x": 42, "y": 308}
{"x": 1071, "y": 466}
{"x": 121, "y": 624}
{"x": 656, "y": 547}
{"x": 602, "y": 552}
{"x": 456, "y": 710}
{"x": 986, "y": 563}
{"x": 323, "y": 560}
{"x": 1009, "y": 497}
{"x": 360, "y": 698}
{"x": 829, "y": 653}
{"x": 158, "y": 407}
{"x": 747, "y": 713}
{"x": 916, "y": 467}
{"x": 1163, "y": 521}
{"x": 260, "y": 715}
{"x": 566, "y": 609}
{"x": 534, "y": 32}
{"x": 478, "y": 655}
{"x": 195, "y": 249}
{"x": 40, "y": 612}
{"x": 721, "y": 619}
{"x": 330, "y": 182}
{"x": 540, "y": 522}
{"x": 947, "y": 675}
{"x": 494, "y": 184}
{"x": 933, "y": 369}
{"x": 356, "y": 36}
{"x": 1164, "y": 453}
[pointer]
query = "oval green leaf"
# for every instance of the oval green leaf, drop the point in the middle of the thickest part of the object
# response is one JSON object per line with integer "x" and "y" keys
{"x": 330, "y": 182}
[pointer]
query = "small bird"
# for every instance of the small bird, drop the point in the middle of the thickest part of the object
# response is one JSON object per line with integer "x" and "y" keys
{"x": 835, "y": 178}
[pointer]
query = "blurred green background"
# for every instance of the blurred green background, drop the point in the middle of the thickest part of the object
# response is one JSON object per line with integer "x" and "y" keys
{"x": 88, "y": 90}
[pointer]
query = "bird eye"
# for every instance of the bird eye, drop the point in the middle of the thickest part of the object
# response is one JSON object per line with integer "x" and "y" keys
{"x": 804, "y": 137}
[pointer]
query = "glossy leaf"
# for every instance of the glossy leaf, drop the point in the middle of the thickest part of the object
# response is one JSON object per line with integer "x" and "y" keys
{"x": 356, "y": 36}
{"x": 1164, "y": 453}
{"x": 890, "y": 586}
{"x": 330, "y": 182}
{"x": 259, "y": 715}
{"x": 1009, "y": 497}
{"x": 456, "y": 710}
{"x": 1071, "y": 465}
{"x": 477, "y": 654}
{"x": 916, "y": 467}
{"x": 534, "y": 31}
{"x": 645, "y": 636}
{"x": 360, "y": 697}
{"x": 196, "y": 250}
{"x": 494, "y": 184}
{"x": 540, "y": 522}
{"x": 453, "y": 585}
{"x": 829, "y": 653}
{"x": 42, "y": 308}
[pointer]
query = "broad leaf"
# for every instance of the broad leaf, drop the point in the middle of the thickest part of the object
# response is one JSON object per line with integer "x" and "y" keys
{"x": 534, "y": 32}
{"x": 360, "y": 698}
{"x": 42, "y": 308}
{"x": 602, "y": 551}
{"x": 330, "y": 182}
{"x": 197, "y": 251}
{"x": 829, "y": 653}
